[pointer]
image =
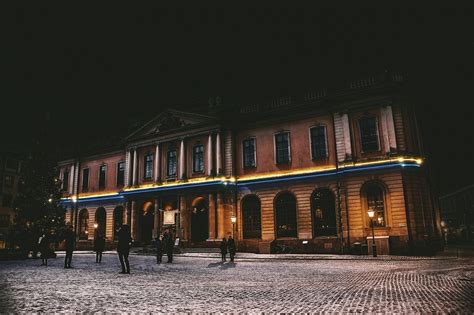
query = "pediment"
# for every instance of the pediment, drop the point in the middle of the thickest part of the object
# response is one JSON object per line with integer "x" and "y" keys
{"x": 168, "y": 121}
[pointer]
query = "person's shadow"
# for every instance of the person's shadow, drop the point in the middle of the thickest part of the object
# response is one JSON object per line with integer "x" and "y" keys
{"x": 217, "y": 264}
{"x": 228, "y": 265}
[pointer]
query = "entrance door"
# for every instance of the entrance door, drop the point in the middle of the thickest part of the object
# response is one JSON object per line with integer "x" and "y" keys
{"x": 199, "y": 220}
{"x": 146, "y": 223}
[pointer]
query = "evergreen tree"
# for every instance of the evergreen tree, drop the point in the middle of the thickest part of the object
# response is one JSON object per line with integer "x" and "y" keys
{"x": 37, "y": 204}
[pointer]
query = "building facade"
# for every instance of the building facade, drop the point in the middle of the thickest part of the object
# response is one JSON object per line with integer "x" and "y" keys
{"x": 299, "y": 173}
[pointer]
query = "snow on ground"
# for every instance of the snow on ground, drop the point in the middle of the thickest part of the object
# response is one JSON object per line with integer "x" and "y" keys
{"x": 192, "y": 284}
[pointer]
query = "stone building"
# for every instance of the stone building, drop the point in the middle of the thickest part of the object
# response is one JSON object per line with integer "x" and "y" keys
{"x": 457, "y": 213}
{"x": 302, "y": 173}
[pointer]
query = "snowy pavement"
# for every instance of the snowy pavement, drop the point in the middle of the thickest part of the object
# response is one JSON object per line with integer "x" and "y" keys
{"x": 203, "y": 284}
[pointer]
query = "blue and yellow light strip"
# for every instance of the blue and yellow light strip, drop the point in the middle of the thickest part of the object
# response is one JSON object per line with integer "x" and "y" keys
{"x": 244, "y": 181}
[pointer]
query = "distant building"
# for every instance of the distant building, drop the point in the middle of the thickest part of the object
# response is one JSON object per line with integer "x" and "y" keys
{"x": 457, "y": 213}
{"x": 10, "y": 166}
{"x": 302, "y": 173}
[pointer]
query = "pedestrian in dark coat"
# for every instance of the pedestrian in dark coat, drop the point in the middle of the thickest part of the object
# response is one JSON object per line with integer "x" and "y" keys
{"x": 223, "y": 249}
{"x": 123, "y": 247}
{"x": 159, "y": 249}
{"x": 43, "y": 246}
{"x": 70, "y": 238}
{"x": 169, "y": 243}
{"x": 99, "y": 245}
{"x": 231, "y": 247}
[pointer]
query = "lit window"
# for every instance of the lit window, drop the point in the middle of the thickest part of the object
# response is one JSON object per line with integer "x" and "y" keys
{"x": 375, "y": 202}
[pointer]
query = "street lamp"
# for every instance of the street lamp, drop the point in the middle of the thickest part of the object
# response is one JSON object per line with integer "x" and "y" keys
{"x": 371, "y": 214}
{"x": 233, "y": 219}
{"x": 96, "y": 225}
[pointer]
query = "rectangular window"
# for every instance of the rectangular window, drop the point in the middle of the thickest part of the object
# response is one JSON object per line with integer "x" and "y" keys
{"x": 85, "y": 179}
{"x": 369, "y": 135}
{"x": 66, "y": 180}
{"x": 102, "y": 172}
{"x": 318, "y": 142}
{"x": 249, "y": 153}
{"x": 12, "y": 164}
{"x": 198, "y": 158}
{"x": 172, "y": 163}
{"x": 282, "y": 147}
{"x": 148, "y": 172}
{"x": 8, "y": 181}
{"x": 120, "y": 174}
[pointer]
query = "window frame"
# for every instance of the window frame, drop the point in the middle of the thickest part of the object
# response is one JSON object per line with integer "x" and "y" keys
{"x": 105, "y": 176}
{"x": 118, "y": 172}
{"x": 366, "y": 188}
{"x": 194, "y": 158}
{"x": 175, "y": 163}
{"x": 313, "y": 158}
{"x": 247, "y": 233}
{"x": 146, "y": 164}
{"x": 275, "y": 147}
{"x": 85, "y": 189}
{"x": 376, "y": 131}
{"x": 254, "y": 139}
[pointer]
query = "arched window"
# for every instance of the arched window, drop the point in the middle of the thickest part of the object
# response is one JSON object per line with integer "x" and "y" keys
{"x": 251, "y": 217}
{"x": 285, "y": 210}
{"x": 118, "y": 221}
{"x": 323, "y": 208}
{"x": 375, "y": 201}
{"x": 100, "y": 219}
{"x": 83, "y": 224}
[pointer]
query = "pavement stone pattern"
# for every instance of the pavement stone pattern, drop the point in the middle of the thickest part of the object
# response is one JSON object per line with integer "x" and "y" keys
{"x": 204, "y": 284}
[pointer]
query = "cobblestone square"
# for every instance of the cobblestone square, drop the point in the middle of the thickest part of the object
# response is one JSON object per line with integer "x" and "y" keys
{"x": 199, "y": 284}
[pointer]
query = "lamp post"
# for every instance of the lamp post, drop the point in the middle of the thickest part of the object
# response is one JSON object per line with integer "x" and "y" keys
{"x": 371, "y": 214}
{"x": 233, "y": 219}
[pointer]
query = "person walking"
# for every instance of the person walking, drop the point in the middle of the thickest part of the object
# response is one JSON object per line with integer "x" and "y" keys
{"x": 123, "y": 247}
{"x": 70, "y": 238}
{"x": 223, "y": 248}
{"x": 99, "y": 245}
{"x": 231, "y": 247}
{"x": 43, "y": 246}
{"x": 159, "y": 249}
{"x": 168, "y": 239}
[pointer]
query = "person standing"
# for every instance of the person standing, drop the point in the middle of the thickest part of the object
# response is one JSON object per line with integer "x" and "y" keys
{"x": 70, "y": 238}
{"x": 231, "y": 247}
{"x": 43, "y": 246}
{"x": 99, "y": 245}
{"x": 123, "y": 247}
{"x": 223, "y": 248}
{"x": 159, "y": 249}
{"x": 168, "y": 238}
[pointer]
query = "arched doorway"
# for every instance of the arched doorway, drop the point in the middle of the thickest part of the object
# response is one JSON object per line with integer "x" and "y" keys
{"x": 251, "y": 217}
{"x": 100, "y": 219}
{"x": 83, "y": 224}
{"x": 118, "y": 220}
{"x": 199, "y": 220}
{"x": 285, "y": 212}
{"x": 146, "y": 222}
{"x": 323, "y": 209}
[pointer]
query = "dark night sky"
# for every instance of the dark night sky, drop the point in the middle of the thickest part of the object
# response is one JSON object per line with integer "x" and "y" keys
{"x": 94, "y": 71}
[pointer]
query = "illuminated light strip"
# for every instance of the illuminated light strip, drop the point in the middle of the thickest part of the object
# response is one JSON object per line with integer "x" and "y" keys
{"x": 174, "y": 187}
{"x": 84, "y": 200}
{"x": 322, "y": 174}
{"x": 196, "y": 181}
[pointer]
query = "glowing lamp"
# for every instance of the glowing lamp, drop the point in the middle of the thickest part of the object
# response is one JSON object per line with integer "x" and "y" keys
{"x": 233, "y": 219}
{"x": 443, "y": 224}
{"x": 96, "y": 225}
{"x": 371, "y": 213}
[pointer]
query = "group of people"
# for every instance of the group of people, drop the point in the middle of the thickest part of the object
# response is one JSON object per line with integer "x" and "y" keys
{"x": 164, "y": 244}
{"x": 228, "y": 246}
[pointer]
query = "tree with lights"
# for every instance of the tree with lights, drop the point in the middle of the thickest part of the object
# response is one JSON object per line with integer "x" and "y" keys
{"x": 37, "y": 204}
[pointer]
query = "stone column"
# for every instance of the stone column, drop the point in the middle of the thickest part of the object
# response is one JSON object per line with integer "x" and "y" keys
{"x": 212, "y": 217}
{"x": 383, "y": 124}
{"x": 157, "y": 164}
{"x": 347, "y": 135}
{"x": 391, "y": 128}
{"x": 71, "y": 180}
{"x": 156, "y": 218}
{"x": 133, "y": 220}
{"x": 220, "y": 217}
{"x": 127, "y": 168}
{"x": 209, "y": 155}
{"x": 218, "y": 155}
{"x": 134, "y": 171}
{"x": 182, "y": 171}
